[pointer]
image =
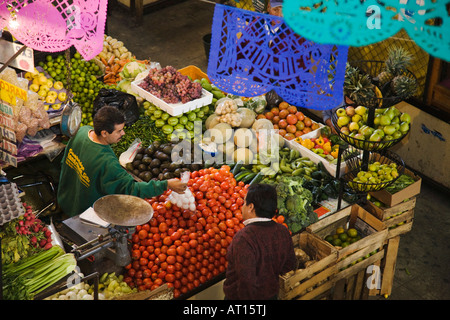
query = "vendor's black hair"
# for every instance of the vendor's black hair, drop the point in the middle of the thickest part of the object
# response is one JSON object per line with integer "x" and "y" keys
{"x": 106, "y": 118}
{"x": 264, "y": 199}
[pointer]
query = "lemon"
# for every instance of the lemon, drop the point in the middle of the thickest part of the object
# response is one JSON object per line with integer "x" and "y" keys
{"x": 42, "y": 79}
{"x": 340, "y": 230}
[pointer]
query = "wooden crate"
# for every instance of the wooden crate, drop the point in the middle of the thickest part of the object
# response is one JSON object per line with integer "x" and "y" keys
{"x": 314, "y": 280}
{"x": 388, "y": 265}
{"x": 398, "y": 219}
{"x": 164, "y": 292}
{"x": 374, "y": 231}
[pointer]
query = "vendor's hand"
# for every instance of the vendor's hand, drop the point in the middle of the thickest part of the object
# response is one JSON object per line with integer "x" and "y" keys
{"x": 330, "y": 124}
{"x": 176, "y": 185}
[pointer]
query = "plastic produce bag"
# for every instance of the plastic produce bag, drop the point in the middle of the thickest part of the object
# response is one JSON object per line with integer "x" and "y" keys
{"x": 123, "y": 101}
{"x": 184, "y": 200}
{"x": 128, "y": 156}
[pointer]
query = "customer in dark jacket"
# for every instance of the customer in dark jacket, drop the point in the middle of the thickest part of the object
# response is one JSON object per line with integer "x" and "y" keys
{"x": 259, "y": 252}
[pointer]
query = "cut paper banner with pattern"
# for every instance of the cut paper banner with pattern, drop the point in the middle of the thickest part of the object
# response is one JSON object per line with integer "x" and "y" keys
{"x": 253, "y": 53}
{"x": 360, "y": 23}
{"x": 54, "y": 26}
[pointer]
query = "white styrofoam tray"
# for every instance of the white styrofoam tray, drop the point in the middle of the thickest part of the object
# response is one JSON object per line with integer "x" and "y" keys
{"x": 305, "y": 152}
{"x": 174, "y": 109}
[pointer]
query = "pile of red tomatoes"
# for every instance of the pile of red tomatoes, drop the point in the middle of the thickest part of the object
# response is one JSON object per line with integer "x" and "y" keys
{"x": 184, "y": 248}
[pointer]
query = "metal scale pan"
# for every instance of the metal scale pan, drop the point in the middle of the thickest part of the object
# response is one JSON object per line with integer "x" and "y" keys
{"x": 123, "y": 210}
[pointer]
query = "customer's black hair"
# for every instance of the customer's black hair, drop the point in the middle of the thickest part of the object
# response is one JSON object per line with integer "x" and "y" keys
{"x": 106, "y": 118}
{"x": 264, "y": 199}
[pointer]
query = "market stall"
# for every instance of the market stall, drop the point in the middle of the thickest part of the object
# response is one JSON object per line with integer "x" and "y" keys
{"x": 345, "y": 199}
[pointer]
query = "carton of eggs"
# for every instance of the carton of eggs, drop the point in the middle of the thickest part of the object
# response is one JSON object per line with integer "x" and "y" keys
{"x": 10, "y": 205}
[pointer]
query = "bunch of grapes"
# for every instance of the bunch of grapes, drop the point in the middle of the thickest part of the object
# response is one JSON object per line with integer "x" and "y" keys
{"x": 171, "y": 86}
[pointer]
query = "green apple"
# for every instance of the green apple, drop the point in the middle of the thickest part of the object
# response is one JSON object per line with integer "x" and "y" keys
{"x": 341, "y": 112}
{"x": 390, "y": 113}
{"x": 361, "y": 110}
{"x": 389, "y": 130}
{"x": 373, "y": 167}
{"x": 395, "y": 120}
{"x": 343, "y": 121}
{"x": 396, "y": 111}
{"x": 380, "y": 111}
{"x": 388, "y": 138}
{"x": 375, "y": 137}
{"x": 356, "y": 118}
{"x": 385, "y": 120}
{"x": 405, "y": 118}
{"x": 404, "y": 127}
{"x": 397, "y": 134}
{"x": 367, "y": 131}
{"x": 353, "y": 127}
{"x": 379, "y": 132}
{"x": 376, "y": 120}
{"x": 345, "y": 130}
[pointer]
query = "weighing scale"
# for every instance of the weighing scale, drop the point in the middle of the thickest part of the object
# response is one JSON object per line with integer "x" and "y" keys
{"x": 69, "y": 120}
{"x": 122, "y": 213}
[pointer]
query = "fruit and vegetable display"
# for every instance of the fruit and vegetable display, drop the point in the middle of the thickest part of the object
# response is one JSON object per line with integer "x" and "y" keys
{"x": 154, "y": 162}
{"x": 185, "y": 248}
{"x": 23, "y": 237}
{"x": 388, "y": 124}
{"x": 84, "y": 83}
{"x": 326, "y": 144}
{"x": 110, "y": 286}
{"x": 342, "y": 238}
{"x": 28, "y": 277}
{"x": 114, "y": 49}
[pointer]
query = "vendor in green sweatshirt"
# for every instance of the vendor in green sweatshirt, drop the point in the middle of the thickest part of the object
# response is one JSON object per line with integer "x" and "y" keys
{"x": 90, "y": 169}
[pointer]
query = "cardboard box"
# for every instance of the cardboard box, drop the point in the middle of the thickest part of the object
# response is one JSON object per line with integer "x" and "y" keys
{"x": 391, "y": 200}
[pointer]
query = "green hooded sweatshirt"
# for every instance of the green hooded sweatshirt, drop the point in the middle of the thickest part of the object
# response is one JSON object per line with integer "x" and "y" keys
{"x": 90, "y": 170}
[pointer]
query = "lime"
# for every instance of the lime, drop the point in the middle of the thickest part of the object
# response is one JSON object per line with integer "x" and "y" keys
{"x": 337, "y": 242}
{"x": 329, "y": 238}
{"x": 345, "y": 244}
{"x": 352, "y": 232}
{"x": 340, "y": 230}
{"x": 343, "y": 237}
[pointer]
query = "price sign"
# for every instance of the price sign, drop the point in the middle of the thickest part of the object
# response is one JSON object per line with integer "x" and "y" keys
{"x": 9, "y": 93}
{"x": 25, "y": 61}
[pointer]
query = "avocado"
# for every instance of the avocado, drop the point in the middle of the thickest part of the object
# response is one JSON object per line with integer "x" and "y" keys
{"x": 155, "y": 163}
{"x": 146, "y": 160}
{"x": 161, "y": 156}
{"x": 142, "y": 167}
{"x": 147, "y": 176}
{"x": 156, "y": 144}
{"x": 155, "y": 171}
{"x": 138, "y": 156}
{"x": 167, "y": 150}
{"x": 150, "y": 150}
{"x": 136, "y": 172}
{"x": 129, "y": 166}
{"x": 136, "y": 163}
{"x": 168, "y": 175}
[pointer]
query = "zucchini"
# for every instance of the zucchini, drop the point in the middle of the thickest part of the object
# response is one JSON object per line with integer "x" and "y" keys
{"x": 257, "y": 178}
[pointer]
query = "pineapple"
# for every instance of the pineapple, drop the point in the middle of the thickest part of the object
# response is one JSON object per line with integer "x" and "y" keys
{"x": 399, "y": 59}
{"x": 404, "y": 86}
{"x": 358, "y": 86}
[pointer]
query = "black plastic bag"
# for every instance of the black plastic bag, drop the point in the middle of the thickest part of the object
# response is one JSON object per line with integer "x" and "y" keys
{"x": 123, "y": 101}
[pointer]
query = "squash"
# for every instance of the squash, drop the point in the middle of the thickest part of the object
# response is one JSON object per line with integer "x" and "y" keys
{"x": 248, "y": 117}
{"x": 243, "y": 154}
{"x": 262, "y": 124}
{"x": 243, "y": 137}
{"x": 220, "y": 133}
{"x": 212, "y": 121}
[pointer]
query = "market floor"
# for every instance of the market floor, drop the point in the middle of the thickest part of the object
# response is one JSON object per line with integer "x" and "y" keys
{"x": 174, "y": 36}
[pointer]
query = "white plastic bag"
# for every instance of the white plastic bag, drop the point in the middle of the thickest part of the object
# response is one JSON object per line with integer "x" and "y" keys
{"x": 128, "y": 156}
{"x": 184, "y": 200}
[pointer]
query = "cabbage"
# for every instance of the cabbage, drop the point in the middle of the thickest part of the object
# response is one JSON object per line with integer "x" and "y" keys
{"x": 132, "y": 69}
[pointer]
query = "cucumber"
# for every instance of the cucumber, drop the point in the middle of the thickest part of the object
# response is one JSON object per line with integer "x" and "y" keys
{"x": 237, "y": 167}
{"x": 241, "y": 175}
{"x": 248, "y": 177}
{"x": 257, "y": 178}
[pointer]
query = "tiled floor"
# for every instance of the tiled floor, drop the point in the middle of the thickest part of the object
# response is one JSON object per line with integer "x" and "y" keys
{"x": 173, "y": 36}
